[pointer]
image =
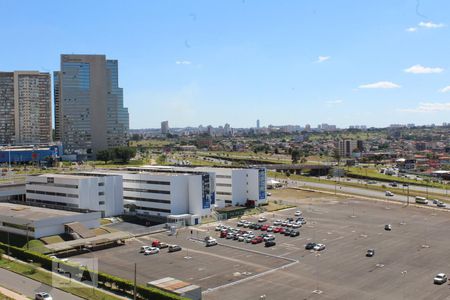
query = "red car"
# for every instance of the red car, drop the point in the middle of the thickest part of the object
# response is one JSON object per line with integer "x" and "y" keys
{"x": 223, "y": 234}
{"x": 264, "y": 227}
{"x": 277, "y": 229}
{"x": 257, "y": 240}
{"x": 282, "y": 230}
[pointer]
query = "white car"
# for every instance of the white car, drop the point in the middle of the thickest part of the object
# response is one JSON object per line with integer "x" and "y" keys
{"x": 296, "y": 225}
{"x": 277, "y": 222}
{"x": 262, "y": 219}
{"x": 210, "y": 242}
{"x": 144, "y": 248}
{"x": 298, "y": 213}
{"x": 270, "y": 228}
{"x": 440, "y": 278}
{"x": 241, "y": 238}
{"x": 269, "y": 237}
{"x": 319, "y": 247}
{"x": 389, "y": 194}
{"x": 43, "y": 296}
{"x": 151, "y": 250}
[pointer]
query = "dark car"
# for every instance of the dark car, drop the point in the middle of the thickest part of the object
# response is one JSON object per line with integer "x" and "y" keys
{"x": 388, "y": 227}
{"x": 252, "y": 226}
{"x": 270, "y": 243}
{"x": 257, "y": 226}
{"x": 287, "y": 232}
{"x": 370, "y": 253}
{"x": 310, "y": 246}
{"x": 174, "y": 248}
{"x": 294, "y": 233}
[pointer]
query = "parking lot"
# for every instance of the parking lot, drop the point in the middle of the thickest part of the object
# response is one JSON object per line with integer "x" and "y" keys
{"x": 406, "y": 259}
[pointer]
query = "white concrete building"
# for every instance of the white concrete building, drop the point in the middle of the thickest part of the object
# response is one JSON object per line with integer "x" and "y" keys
{"x": 37, "y": 222}
{"x": 95, "y": 192}
{"x": 163, "y": 194}
{"x": 232, "y": 186}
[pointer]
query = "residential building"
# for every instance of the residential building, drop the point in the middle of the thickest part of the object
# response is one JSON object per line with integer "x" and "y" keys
{"x": 257, "y": 124}
{"x": 89, "y": 111}
{"x": 165, "y": 127}
{"x": 25, "y": 108}
{"x": 93, "y": 192}
{"x": 347, "y": 147}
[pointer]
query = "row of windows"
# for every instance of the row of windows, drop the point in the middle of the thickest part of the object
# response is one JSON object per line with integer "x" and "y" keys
{"x": 71, "y": 186}
{"x": 223, "y": 184}
{"x": 146, "y": 191}
{"x": 52, "y": 194}
{"x": 223, "y": 176}
{"x": 147, "y": 181}
{"x": 223, "y": 193}
{"x": 153, "y": 209}
{"x": 52, "y": 202}
{"x": 147, "y": 200}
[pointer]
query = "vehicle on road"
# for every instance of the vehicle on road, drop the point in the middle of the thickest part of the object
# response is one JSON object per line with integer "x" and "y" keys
{"x": 389, "y": 194}
{"x": 174, "y": 248}
{"x": 440, "y": 278}
{"x": 421, "y": 200}
{"x": 393, "y": 184}
{"x": 269, "y": 194}
{"x": 310, "y": 246}
{"x": 209, "y": 241}
{"x": 370, "y": 253}
{"x": 43, "y": 296}
{"x": 151, "y": 250}
{"x": 270, "y": 243}
{"x": 388, "y": 227}
{"x": 441, "y": 204}
{"x": 319, "y": 247}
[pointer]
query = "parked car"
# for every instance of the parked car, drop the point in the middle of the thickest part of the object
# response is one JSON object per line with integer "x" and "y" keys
{"x": 310, "y": 246}
{"x": 43, "y": 296}
{"x": 277, "y": 229}
{"x": 257, "y": 226}
{"x": 262, "y": 219}
{"x": 284, "y": 223}
{"x": 264, "y": 227}
{"x": 230, "y": 235}
{"x": 287, "y": 231}
{"x": 277, "y": 222}
{"x": 257, "y": 240}
{"x": 159, "y": 244}
{"x": 296, "y": 225}
{"x": 270, "y": 228}
{"x": 223, "y": 234}
{"x": 294, "y": 233}
{"x": 248, "y": 239}
{"x": 270, "y": 243}
{"x": 282, "y": 230}
{"x": 218, "y": 228}
{"x": 240, "y": 223}
{"x": 143, "y": 248}
{"x": 174, "y": 248}
{"x": 319, "y": 247}
{"x": 388, "y": 227}
{"x": 298, "y": 213}
{"x": 440, "y": 278}
{"x": 151, "y": 250}
{"x": 269, "y": 237}
{"x": 370, "y": 253}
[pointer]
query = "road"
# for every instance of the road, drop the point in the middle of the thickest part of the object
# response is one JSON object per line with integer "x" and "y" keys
{"x": 29, "y": 287}
{"x": 353, "y": 190}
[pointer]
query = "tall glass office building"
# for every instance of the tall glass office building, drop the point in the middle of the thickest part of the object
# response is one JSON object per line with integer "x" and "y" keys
{"x": 89, "y": 111}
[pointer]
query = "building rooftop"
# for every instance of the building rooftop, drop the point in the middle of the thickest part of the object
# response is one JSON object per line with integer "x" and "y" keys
{"x": 31, "y": 213}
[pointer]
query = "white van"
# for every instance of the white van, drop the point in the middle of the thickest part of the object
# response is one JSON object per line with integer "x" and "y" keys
{"x": 421, "y": 200}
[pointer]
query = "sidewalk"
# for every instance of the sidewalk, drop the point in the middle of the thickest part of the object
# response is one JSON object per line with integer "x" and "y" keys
{"x": 11, "y": 294}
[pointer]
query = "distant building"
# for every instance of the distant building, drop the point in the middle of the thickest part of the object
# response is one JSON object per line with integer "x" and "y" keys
{"x": 227, "y": 130}
{"x": 307, "y": 127}
{"x": 165, "y": 127}
{"x": 257, "y": 124}
{"x": 347, "y": 147}
{"x": 89, "y": 111}
{"x": 25, "y": 105}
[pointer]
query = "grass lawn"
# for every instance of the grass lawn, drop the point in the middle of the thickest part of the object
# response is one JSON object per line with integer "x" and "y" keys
{"x": 45, "y": 277}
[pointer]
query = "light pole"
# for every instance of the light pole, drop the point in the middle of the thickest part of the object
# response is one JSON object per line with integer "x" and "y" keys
{"x": 92, "y": 257}
{"x": 403, "y": 277}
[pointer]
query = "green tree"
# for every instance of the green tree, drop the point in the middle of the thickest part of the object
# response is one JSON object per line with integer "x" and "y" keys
{"x": 124, "y": 154}
{"x": 105, "y": 155}
{"x": 295, "y": 155}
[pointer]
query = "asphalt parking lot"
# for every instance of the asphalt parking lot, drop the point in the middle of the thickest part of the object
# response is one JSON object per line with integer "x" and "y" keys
{"x": 405, "y": 261}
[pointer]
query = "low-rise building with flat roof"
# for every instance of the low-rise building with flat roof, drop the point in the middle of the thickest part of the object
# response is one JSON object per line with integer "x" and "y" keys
{"x": 37, "y": 222}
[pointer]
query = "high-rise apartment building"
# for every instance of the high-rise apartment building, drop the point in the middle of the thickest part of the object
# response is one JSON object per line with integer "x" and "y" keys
{"x": 89, "y": 111}
{"x": 165, "y": 127}
{"x": 25, "y": 108}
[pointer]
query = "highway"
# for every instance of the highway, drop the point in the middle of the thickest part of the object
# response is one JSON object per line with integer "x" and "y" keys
{"x": 29, "y": 287}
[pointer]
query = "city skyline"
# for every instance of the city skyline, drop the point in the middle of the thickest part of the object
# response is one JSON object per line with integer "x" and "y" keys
{"x": 295, "y": 63}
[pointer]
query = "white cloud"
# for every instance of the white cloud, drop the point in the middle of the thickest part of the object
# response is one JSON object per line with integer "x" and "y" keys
{"x": 428, "y": 107}
{"x": 380, "y": 85}
{"x": 430, "y": 25}
{"x": 445, "y": 90}
{"x": 419, "y": 69}
{"x": 411, "y": 29}
{"x": 332, "y": 102}
{"x": 183, "y": 62}
{"x": 321, "y": 59}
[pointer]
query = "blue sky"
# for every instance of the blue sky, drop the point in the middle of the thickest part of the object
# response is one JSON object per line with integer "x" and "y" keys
{"x": 212, "y": 62}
